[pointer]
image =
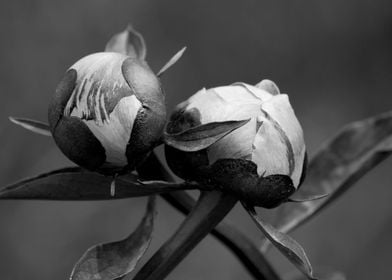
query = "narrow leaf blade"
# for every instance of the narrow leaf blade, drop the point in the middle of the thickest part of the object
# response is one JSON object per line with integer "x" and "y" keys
{"x": 129, "y": 42}
{"x": 114, "y": 260}
{"x": 284, "y": 243}
{"x": 341, "y": 162}
{"x": 77, "y": 184}
{"x": 32, "y": 125}
{"x": 297, "y": 199}
{"x": 172, "y": 61}
{"x": 203, "y": 136}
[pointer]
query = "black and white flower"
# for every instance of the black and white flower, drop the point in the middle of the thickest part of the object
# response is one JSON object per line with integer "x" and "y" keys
{"x": 264, "y": 160}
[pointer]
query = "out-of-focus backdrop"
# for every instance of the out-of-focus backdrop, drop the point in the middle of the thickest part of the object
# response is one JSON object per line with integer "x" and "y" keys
{"x": 333, "y": 58}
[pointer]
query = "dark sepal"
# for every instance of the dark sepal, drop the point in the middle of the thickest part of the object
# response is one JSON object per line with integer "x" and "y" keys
{"x": 60, "y": 98}
{"x": 129, "y": 42}
{"x": 187, "y": 165}
{"x": 144, "y": 84}
{"x": 79, "y": 144}
{"x": 151, "y": 117}
{"x": 273, "y": 190}
{"x": 202, "y": 136}
{"x": 71, "y": 134}
{"x": 240, "y": 177}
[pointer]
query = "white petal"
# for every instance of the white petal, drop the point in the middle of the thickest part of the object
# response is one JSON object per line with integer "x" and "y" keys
{"x": 270, "y": 150}
{"x": 225, "y": 104}
{"x": 237, "y": 144}
{"x": 268, "y": 86}
{"x": 280, "y": 110}
{"x": 242, "y": 93}
{"x": 115, "y": 133}
{"x": 95, "y": 72}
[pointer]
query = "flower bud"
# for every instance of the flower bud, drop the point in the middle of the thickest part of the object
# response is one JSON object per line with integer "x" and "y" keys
{"x": 263, "y": 162}
{"x": 108, "y": 112}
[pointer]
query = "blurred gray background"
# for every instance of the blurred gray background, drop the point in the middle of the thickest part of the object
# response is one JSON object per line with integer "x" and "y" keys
{"x": 332, "y": 57}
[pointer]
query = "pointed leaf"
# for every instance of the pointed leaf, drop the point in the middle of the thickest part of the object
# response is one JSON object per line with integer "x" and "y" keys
{"x": 116, "y": 259}
{"x": 32, "y": 125}
{"x": 203, "y": 136}
{"x": 284, "y": 243}
{"x": 305, "y": 199}
{"x": 129, "y": 42}
{"x": 77, "y": 184}
{"x": 171, "y": 62}
{"x": 341, "y": 162}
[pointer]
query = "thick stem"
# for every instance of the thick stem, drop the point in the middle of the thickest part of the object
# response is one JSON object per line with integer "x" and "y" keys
{"x": 246, "y": 251}
{"x": 209, "y": 210}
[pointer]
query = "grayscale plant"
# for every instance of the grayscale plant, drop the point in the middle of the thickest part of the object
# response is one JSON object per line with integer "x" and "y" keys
{"x": 235, "y": 143}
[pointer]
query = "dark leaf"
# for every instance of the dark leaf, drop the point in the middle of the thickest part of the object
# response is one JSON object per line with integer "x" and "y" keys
{"x": 172, "y": 61}
{"x": 202, "y": 136}
{"x": 32, "y": 125}
{"x": 116, "y": 259}
{"x": 284, "y": 243}
{"x": 76, "y": 184}
{"x": 129, "y": 42}
{"x": 341, "y": 162}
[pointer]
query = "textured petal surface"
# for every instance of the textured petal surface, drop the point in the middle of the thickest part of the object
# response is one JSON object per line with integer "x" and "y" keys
{"x": 270, "y": 150}
{"x": 115, "y": 133}
{"x": 280, "y": 111}
{"x": 227, "y": 104}
{"x": 260, "y": 93}
{"x": 104, "y": 101}
{"x": 99, "y": 86}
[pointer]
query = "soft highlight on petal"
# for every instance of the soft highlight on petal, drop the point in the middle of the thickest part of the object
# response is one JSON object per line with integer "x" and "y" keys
{"x": 99, "y": 86}
{"x": 114, "y": 134}
{"x": 270, "y": 150}
{"x": 280, "y": 110}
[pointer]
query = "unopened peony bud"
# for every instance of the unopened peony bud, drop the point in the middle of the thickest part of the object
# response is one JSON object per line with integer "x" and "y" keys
{"x": 108, "y": 112}
{"x": 263, "y": 162}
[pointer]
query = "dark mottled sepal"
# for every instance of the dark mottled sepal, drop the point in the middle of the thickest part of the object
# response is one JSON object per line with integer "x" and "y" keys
{"x": 234, "y": 175}
{"x": 240, "y": 177}
{"x": 273, "y": 190}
